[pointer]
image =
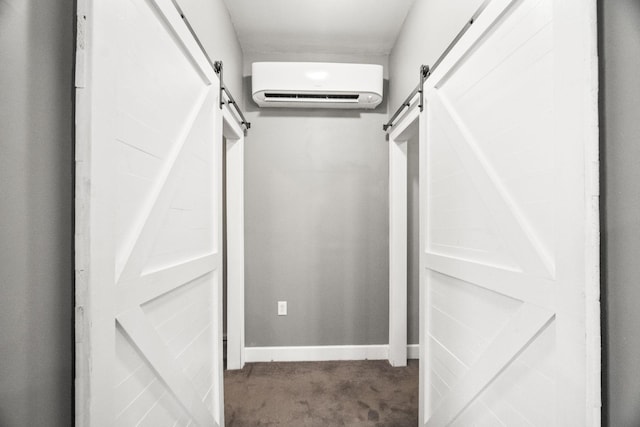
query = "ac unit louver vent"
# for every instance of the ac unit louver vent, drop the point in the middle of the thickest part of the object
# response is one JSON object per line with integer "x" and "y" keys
{"x": 310, "y": 97}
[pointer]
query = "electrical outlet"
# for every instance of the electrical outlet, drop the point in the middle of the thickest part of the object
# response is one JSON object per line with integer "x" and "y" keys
{"x": 282, "y": 308}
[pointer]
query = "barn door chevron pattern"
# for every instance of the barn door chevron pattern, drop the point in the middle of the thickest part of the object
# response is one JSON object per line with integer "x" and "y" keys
{"x": 150, "y": 215}
{"x": 503, "y": 225}
{"x": 136, "y": 288}
{"x": 535, "y": 312}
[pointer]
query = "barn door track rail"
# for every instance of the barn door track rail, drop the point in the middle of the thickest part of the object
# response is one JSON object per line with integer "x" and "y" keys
{"x": 227, "y": 98}
{"x": 426, "y": 71}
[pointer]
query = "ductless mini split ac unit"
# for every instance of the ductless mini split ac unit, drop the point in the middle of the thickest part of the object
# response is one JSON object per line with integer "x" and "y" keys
{"x": 316, "y": 85}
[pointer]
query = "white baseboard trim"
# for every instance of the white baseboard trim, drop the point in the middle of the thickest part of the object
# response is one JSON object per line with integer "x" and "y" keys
{"x": 323, "y": 353}
{"x": 413, "y": 351}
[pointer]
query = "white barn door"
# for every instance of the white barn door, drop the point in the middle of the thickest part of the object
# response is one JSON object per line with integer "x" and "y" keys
{"x": 509, "y": 211}
{"x": 148, "y": 236}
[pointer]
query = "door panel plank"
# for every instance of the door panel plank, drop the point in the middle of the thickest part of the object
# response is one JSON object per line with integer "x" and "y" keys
{"x": 511, "y": 283}
{"x": 170, "y": 15}
{"x": 167, "y": 184}
{"x": 507, "y": 215}
{"x": 146, "y": 339}
{"x": 136, "y": 292}
{"x": 525, "y": 326}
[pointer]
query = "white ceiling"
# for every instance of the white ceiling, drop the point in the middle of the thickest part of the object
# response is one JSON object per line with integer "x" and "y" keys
{"x": 318, "y": 26}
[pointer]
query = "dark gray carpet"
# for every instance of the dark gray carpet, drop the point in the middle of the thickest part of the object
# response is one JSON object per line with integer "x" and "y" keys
{"x": 322, "y": 394}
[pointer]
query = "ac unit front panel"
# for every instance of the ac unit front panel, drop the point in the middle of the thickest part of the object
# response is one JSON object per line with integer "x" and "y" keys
{"x": 319, "y": 85}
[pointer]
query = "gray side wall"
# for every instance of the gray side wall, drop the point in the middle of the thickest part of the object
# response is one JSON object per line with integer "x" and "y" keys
{"x": 413, "y": 242}
{"x": 316, "y": 201}
{"x": 427, "y": 31}
{"x": 36, "y": 212}
{"x": 620, "y": 145}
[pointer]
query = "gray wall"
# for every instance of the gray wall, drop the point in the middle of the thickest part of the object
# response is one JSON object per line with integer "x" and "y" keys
{"x": 428, "y": 29}
{"x": 311, "y": 176}
{"x": 316, "y": 222}
{"x": 413, "y": 242}
{"x": 620, "y": 145}
{"x": 36, "y": 212}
